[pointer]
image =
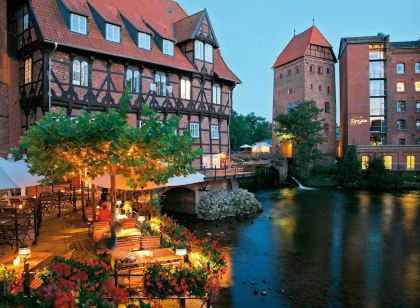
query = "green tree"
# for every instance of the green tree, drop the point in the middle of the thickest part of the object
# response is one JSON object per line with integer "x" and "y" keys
{"x": 247, "y": 129}
{"x": 349, "y": 169}
{"x": 302, "y": 127}
{"x": 59, "y": 147}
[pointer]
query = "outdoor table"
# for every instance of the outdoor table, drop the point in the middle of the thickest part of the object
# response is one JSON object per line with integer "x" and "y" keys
{"x": 161, "y": 255}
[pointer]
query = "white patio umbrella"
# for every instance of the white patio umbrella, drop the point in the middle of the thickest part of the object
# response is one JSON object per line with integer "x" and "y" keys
{"x": 121, "y": 182}
{"x": 16, "y": 175}
{"x": 245, "y": 146}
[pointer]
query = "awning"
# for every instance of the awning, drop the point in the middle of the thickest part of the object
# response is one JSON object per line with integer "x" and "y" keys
{"x": 121, "y": 182}
{"x": 16, "y": 175}
{"x": 246, "y": 146}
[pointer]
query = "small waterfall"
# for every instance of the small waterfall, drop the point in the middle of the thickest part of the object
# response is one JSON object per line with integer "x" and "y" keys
{"x": 300, "y": 185}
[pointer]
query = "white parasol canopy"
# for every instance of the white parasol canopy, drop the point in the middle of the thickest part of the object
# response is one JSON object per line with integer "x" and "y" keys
{"x": 121, "y": 182}
{"x": 16, "y": 175}
{"x": 246, "y": 146}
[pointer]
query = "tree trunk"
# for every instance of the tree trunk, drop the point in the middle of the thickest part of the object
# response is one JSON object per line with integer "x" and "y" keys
{"x": 93, "y": 203}
{"x": 82, "y": 183}
{"x": 113, "y": 188}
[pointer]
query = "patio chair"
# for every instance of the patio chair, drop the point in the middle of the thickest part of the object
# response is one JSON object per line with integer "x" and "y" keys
{"x": 99, "y": 229}
{"x": 128, "y": 223}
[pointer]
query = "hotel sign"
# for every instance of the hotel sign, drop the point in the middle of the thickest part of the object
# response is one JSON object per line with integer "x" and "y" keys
{"x": 359, "y": 120}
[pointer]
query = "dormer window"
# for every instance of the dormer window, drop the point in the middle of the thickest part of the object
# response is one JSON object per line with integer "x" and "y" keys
{"x": 78, "y": 23}
{"x": 113, "y": 33}
{"x": 168, "y": 47}
{"x": 209, "y": 53}
{"x": 144, "y": 41}
{"x": 199, "y": 50}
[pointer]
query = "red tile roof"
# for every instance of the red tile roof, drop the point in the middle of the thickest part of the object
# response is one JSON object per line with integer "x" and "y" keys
{"x": 298, "y": 45}
{"x": 161, "y": 15}
{"x": 184, "y": 28}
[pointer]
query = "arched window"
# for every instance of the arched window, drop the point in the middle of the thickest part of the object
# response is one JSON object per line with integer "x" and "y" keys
{"x": 136, "y": 82}
{"x": 217, "y": 95}
{"x": 129, "y": 80}
{"x": 327, "y": 107}
{"x": 185, "y": 88}
{"x": 319, "y": 70}
{"x": 76, "y": 72}
{"x": 320, "y": 88}
{"x": 84, "y": 73}
{"x": 160, "y": 81}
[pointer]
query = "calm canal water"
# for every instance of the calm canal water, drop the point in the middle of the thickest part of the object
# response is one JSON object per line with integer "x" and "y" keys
{"x": 323, "y": 248}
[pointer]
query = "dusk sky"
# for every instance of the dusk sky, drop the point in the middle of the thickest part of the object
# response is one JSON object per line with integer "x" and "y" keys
{"x": 253, "y": 33}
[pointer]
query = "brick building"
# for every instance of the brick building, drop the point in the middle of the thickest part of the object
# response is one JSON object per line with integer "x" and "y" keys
{"x": 96, "y": 48}
{"x": 304, "y": 71}
{"x": 380, "y": 99}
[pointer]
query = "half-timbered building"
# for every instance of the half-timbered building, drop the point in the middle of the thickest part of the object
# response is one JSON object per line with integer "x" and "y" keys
{"x": 81, "y": 54}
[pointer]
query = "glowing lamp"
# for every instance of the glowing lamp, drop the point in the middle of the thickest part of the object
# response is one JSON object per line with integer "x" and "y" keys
{"x": 16, "y": 261}
{"x": 24, "y": 252}
{"x": 141, "y": 219}
{"x": 119, "y": 202}
{"x": 181, "y": 250}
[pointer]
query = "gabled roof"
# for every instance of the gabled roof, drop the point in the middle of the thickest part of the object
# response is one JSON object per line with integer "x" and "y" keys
{"x": 144, "y": 15}
{"x": 298, "y": 45}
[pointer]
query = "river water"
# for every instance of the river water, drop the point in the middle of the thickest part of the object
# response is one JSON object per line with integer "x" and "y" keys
{"x": 322, "y": 248}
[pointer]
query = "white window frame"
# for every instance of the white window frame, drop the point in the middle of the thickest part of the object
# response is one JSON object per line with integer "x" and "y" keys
{"x": 199, "y": 50}
{"x": 217, "y": 94}
{"x": 144, "y": 40}
{"x": 399, "y": 106}
{"x": 136, "y": 81}
{"x": 28, "y": 70}
{"x": 195, "y": 130}
{"x": 160, "y": 83}
{"x": 168, "y": 47}
{"x": 417, "y": 86}
{"x": 401, "y": 124}
{"x": 78, "y": 23}
{"x": 417, "y": 67}
{"x": 400, "y": 68}
{"x": 129, "y": 80}
{"x": 112, "y": 33}
{"x": 208, "y": 53}
{"x": 215, "y": 134}
{"x": 80, "y": 74}
{"x": 400, "y": 87}
{"x": 185, "y": 88}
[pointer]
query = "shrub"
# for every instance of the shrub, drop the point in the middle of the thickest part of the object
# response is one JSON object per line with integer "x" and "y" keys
{"x": 349, "y": 169}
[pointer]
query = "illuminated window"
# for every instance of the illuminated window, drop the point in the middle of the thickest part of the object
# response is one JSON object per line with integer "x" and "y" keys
{"x": 199, "y": 50}
{"x": 400, "y": 87}
{"x": 28, "y": 71}
{"x": 113, "y": 33}
{"x": 417, "y": 86}
{"x": 388, "y": 162}
{"x": 217, "y": 95}
{"x": 195, "y": 130}
{"x": 208, "y": 53}
{"x": 411, "y": 162}
{"x": 144, "y": 40}
{"x": 365, "y": 162}
{"x": 185, "y": 88}
{"x": 214, "y": 131}
{"x": 168, "y": 47}
{"x": 376, "y": 51}
{"x": 400, "y": 68}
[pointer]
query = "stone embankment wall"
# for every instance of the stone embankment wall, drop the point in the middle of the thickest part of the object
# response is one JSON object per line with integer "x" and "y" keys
{"x": 228, "y": 203}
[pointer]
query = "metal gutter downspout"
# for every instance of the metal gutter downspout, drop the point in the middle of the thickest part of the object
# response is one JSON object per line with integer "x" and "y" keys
{"x": 50, "y": 76}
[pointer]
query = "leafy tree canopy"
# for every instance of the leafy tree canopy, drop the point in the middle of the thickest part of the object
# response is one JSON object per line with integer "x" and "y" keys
{"x": 349, "y": 169}
{"x": 248, "y": 129}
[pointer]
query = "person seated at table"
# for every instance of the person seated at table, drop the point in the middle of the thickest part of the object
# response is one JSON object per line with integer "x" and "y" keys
{"x": 105, "y": 212}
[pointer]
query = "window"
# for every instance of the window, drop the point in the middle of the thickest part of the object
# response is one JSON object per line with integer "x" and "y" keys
{"x": 185, "y": 88}
{"x": 195, "y": 130}
{"x": 289, "y": 72}
{"x": 328, "y": 90}
{"x": 217, "y": 95}
{"x": 320, "y": 88}
{"x": 418, "y": 124}
{"x": 199, "y": 50}
{"x": 401, "y": 106}
{"x": 400, "y": 68}
{"x": 113, "y": 33}
{"x": 280, "y": 76}
{"x": 214, "y": 131}
{"x": 168, "y": 47}
{"x": 78, "y": 24}
{"x": 417, "y": 86}
{"x": 365, "y": 162}
{"x": 312, "y": 86}
{"x": 140, "y": 123}
{"x": 400, "y": 124}
{"x": 209, "y": 53}
{"x": 136, "y": 82}
{"x": 25, "y": 21}
{"x": 376, "y": 69}
{"x": 377, "y": 88}
{"x": 319, "y": 70}
{"x": 160, "y": 82}
{"x": 28, "y": 71}
{"x": 328, "y": 70}
{"x": 327, "y": 107}
{"x": 388, "y": 162}
{"x": 80, "y": 73}
{"x": 326, "y": 128}
{"x": 144, "y": 40}
{"x": 411, "y": 162}
{"x": 417, "y": 140}
{"x": 289, "y": 91}
{"x": 297, "y": 70}
{"x": 417, "y": 67}
{"x": 377, "y": 106}
{"x": 400, "y": 87}
{"x": 289, "y": 107}
{"x": 401, "y": 141}
{"x": 418, "y": 106}
{"x": 129, "y": 80}
{"x": 376, "y": 51}
{"x": 311, "y": 68}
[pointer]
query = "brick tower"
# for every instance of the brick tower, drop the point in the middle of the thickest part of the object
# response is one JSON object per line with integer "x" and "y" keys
{"x": 304, "y": 71}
